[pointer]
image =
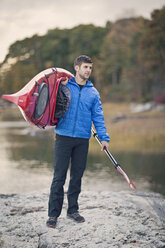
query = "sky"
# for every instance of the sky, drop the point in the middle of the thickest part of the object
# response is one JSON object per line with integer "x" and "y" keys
{"x": 24, "y": 18}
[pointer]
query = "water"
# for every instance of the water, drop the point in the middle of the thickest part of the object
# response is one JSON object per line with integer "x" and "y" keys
{"x": 27, "y": 163}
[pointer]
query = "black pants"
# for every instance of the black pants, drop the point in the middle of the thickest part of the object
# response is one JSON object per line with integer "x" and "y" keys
{"x": 77, "y": 150}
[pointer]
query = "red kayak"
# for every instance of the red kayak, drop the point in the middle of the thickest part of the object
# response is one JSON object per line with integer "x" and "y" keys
{"x": 44, "y": 100}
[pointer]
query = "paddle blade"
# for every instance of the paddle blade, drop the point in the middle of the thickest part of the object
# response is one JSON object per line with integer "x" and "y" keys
{"x": 126, "y": 177}
{"x": 132, "y": 185}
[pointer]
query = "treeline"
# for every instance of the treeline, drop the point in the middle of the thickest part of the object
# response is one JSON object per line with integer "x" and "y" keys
{"x": 128, "y": 55}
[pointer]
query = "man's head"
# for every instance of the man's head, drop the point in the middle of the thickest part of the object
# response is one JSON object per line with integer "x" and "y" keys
{"x": 83, "y": 66}
{"x": 82, "y": 59}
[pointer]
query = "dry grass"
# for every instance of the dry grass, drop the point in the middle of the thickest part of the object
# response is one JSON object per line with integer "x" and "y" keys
{"x": 141, "y": 132}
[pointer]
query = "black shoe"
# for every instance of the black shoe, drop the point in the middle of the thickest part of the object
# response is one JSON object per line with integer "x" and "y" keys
{"x": 52, "y": 222}
{"x": 76, "y": 217}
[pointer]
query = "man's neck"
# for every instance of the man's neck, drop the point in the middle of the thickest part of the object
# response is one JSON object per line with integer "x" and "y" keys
{"x": 80, "y": 81}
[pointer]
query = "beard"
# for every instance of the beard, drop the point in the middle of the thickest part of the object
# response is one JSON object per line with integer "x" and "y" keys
{"x": 83, "y": 77}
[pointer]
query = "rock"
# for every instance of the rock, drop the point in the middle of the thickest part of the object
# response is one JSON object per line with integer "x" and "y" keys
{"x": 142, "y": 107}
{"x": 112, "y": 220}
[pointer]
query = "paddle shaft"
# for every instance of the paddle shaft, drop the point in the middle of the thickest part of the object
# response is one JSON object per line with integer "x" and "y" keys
{"x": 105, "y": 149}
{"x": 119, "y": 169}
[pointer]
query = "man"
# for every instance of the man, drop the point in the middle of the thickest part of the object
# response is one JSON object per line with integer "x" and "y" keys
{"x": 73, "y": 132}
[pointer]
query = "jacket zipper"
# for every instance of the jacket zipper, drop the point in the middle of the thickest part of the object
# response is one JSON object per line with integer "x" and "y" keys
{"x": 76, "y": 112}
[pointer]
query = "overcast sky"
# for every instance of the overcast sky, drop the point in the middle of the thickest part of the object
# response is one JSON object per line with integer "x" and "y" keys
{"x": 24, "y": 18}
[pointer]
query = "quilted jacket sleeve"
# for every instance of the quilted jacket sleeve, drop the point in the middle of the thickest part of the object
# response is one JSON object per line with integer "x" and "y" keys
{"x": 98, "y": 119}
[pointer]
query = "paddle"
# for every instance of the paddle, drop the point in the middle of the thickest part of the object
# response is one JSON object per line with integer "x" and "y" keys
{"x": 117, "y": 166}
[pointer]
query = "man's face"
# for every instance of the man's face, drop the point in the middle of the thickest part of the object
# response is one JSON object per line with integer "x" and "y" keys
{"x": 84, "y": 70}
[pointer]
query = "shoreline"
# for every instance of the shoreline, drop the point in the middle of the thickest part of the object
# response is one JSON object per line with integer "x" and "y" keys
{"x": 129, "y": 131}
{"x": 113, "y": 219}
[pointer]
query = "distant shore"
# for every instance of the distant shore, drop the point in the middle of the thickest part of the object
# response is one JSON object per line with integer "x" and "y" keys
{"x": 129, "y": 130}
{"x": 123, "y": 219}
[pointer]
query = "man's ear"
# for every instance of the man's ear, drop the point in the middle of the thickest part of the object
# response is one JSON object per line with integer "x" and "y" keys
{"x": 76, "y": 68}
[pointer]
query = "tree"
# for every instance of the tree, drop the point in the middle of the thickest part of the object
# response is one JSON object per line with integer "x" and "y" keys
{"x": 118, "y": 60}
{"x": 152, "y": 52}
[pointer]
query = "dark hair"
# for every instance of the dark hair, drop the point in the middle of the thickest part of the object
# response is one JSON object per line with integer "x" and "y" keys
{"x": 82, "y": 59}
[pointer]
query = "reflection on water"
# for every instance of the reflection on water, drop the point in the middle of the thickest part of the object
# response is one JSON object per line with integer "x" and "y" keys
{"x": 147, "y": 171}
{"x": 27, "y": 164}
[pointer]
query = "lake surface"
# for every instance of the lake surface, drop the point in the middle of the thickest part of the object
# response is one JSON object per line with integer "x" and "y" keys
{"x": 27, "y": 163}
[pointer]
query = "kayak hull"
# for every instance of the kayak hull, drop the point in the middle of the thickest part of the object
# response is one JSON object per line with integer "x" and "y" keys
{"x": 37, "y": 99}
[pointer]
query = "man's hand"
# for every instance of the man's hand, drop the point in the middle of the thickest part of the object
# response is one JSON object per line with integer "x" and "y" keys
{"x": 104, "y": 144}
{"x": 64, "y": 82}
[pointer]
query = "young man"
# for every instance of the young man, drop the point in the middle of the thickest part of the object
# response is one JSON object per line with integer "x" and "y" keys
{"x": 73, "y": 132}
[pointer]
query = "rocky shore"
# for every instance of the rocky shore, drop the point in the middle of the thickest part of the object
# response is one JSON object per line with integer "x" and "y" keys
{"x": 121, "y": 219}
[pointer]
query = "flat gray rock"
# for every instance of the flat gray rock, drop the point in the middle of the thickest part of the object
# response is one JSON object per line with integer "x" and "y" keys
{"x": 124, "y": 219}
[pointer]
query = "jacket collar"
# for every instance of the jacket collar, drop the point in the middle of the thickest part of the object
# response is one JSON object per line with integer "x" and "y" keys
{"x": 72, "y": 81}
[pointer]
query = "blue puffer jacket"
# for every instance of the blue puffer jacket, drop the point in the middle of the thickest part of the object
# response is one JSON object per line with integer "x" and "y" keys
{"x": 85, "y": 107}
